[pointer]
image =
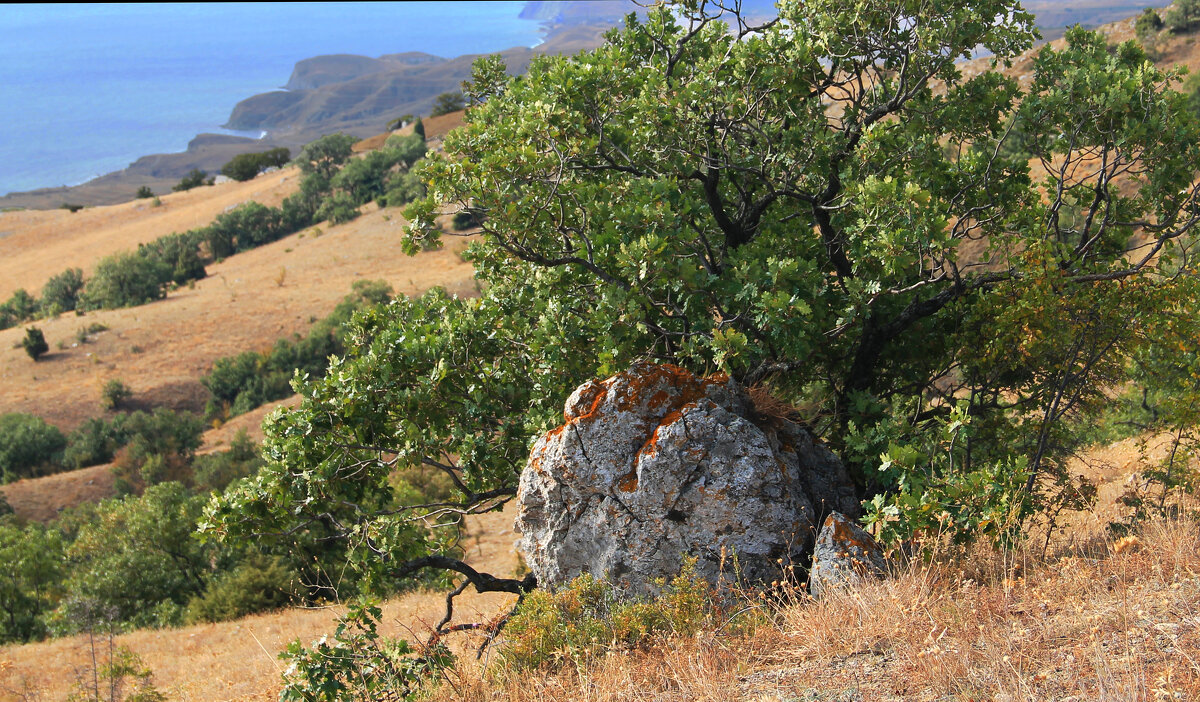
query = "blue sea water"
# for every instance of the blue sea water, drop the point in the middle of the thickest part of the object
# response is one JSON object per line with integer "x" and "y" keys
{"x": 87, "y": 89}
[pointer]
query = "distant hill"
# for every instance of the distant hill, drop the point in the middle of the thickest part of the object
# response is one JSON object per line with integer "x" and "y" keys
{"x": 357, "y": 94}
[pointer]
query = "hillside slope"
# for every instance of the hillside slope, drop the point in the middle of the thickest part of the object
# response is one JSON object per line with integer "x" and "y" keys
{"x": 247, "y": 301}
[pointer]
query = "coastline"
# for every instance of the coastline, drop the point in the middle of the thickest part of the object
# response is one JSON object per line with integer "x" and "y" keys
{"x": 209, "y": 151}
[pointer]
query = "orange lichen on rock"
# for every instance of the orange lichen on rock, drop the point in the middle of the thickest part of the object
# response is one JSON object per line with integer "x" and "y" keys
{"x": 590, "y": 397}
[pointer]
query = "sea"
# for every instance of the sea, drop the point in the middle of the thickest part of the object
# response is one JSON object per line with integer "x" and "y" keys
{"x": 86, "y": 89}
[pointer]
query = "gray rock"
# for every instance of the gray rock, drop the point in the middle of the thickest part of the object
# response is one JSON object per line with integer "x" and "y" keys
{"x": 654, "y": 465}
{"x": 844, "y": 556}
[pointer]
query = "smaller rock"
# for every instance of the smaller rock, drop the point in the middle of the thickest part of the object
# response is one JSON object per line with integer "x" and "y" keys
{"x": 844, "y": 556}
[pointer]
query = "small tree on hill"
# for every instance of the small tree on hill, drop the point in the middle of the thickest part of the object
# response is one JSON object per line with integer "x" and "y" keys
{"x": 144, "y": 192}
{"x": 61, "y": 292}
{"x": 35, "y": 343}
{"x": 419, "y": 128}
{"x": 1147, "y": 28}
{"x": 326, "y": 155}
{"x": 194, "y": 179}
{"x": 1183, "y": 15}
{"x": 114, "y": 393}
{"x": 447, "y": 103}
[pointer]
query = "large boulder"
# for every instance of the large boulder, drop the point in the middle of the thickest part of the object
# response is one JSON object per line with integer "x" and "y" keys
{"x": 655, "y": 465}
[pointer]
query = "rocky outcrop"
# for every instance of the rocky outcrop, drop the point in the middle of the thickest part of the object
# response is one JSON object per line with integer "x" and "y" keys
{"x": 844, "y": 556}
{"x": 655, "y": 465}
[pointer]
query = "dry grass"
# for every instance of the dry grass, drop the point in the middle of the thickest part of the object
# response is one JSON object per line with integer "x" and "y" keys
{"x": 1118, "y": 621}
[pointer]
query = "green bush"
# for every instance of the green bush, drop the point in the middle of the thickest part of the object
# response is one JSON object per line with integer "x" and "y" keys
{"x": 178, "y": 252}
{"x": 403, "y": 188}
{"x": 238, "y": 384}
{"x": 405, "y": 150}
{"x": 246, "y": 166}
{"x": 356, "y": 663}
{"x": 447, "y": 103}
{"x": 588, "y": 618}
{"x": 463, "y": 220}
{"x": 114, "y": 393}
{"x": 61, "y": 293}
{"x": 215, "y": 471}
{"x": 28, "y": 446}
{"x": 127, "y": 280}
{"x": 163, "y": 431}
{"x": 20, "y": 307}
{"x": 245, "y": 227}
{"x": 257, "y": 584}
{"x": 326, "y": 155}
{"x": 138, "y": 559}
{"x": 194, "y": 179}
{"x": 144, "y": 192}
{"x": 35, "y": 343}
{"x": 33, "y": 569}
{"x": 338, "y": 208}
{"x": 1183, "y": 15}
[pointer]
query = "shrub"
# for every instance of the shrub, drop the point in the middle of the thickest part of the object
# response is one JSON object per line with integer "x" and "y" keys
{"x": 405, "y": 150}
{"x": 419, "y": 128}
{"x": 325, "y": 155}
{"x": 35, "y": 343}
{"x": 144, "y": 192}
{"x": 1183, "y": 15}
{"x": 178, "y": 252}
{"x": 238, "y": 384}
{"x": 69, "y": 207}
{"x": 138, "y": 559}
{"x": 163, "y": 431}
{"x": 258, "y": 584}
{"x": 338, "y": 208}
{"x": 403, "y": 188}
{"x": 246, "y": 226}
{"x": 588, "y": 618}
{"x": 61, "y": 292}
{"x": 357, "y": 663}
{"x": 19, "y": 308}
{"x": 246, "y": 166}
{"x": 463, "y": 220}
{"x": 33, "y": 563}
{"x": 114, "y": 393}
{"x": 194, "y": 179}
{"x": 126, "y": 280}
{"x": 447, "y": 103}
{"x": 28, "y": 446}
{"x": 215, "y": 471}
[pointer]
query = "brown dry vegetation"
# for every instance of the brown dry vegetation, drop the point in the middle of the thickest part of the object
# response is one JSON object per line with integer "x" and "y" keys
{"x": 1111, "y": 621}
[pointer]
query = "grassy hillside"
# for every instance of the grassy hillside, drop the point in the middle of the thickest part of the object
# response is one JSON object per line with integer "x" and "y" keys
{"x": 246, "y": 302}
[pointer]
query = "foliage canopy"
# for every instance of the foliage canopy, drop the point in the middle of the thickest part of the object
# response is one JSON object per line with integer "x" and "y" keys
{"x": 823, "y": 204}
